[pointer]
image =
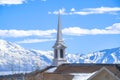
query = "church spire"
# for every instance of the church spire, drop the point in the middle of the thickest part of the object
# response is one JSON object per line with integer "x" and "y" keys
{"x": 59, "y": 47}
{"x": 59, "y": 31}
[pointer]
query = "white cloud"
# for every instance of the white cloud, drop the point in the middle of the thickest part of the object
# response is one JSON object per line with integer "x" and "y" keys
{"x": 61, "y": 11}
{"x": 77, "y": 31}
{"x": 72, "y": 9}
{"x": 26, "y": 33}
{"x": 115, "y": 26}
{"x": 9, "y": 2}
{"x": 101, "y": 10}
{"x": 35, "y": 40}
{"x": 88, "y": 11}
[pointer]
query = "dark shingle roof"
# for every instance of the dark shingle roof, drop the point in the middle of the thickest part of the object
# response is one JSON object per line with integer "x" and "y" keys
{"x": 87, "y": 68}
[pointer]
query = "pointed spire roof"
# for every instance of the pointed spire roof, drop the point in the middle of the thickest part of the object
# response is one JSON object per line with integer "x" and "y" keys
{"x": 59, "y": 31}
{"x": 59, "y": 40}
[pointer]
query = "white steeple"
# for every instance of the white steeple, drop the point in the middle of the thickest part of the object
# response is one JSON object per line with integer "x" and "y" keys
{"x": 59, "y": 47}
{"x": 59, "y": 32}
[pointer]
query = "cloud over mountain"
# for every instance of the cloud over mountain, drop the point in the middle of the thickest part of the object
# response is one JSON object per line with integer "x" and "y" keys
{"x": 77, "y": 31}
{"x": 26, "y": 33}
{"x": 35, "y": 40}
{"x": 87, "y": 11}
{"x": 10, "y": 2}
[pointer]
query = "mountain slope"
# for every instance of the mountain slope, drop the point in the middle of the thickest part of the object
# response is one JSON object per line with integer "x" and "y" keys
{"x": 15, "y": 58}
{"x": 104, "y": 56}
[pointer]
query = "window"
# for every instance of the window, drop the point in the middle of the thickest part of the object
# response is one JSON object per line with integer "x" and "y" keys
{"x": 61, "y": 53}
{"x": 55, "y": 54}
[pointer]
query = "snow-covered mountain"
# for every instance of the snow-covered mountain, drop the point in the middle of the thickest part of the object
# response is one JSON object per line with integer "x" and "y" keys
{"x": 15, "y": 58}
{"x": 109, "y": 56}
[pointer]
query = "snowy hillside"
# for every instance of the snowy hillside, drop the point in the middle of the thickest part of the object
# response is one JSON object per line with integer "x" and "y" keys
{"x": 104, "y": 56}
{"x": 15, "y": 58}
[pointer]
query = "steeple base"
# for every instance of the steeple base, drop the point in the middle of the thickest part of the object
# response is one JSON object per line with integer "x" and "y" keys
{"x": 57, "y": 62}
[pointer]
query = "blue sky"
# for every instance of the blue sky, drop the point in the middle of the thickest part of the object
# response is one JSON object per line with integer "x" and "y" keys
{"x": 87, "y": 25}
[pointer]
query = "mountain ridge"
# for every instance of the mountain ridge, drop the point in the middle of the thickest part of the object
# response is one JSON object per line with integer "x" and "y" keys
{"x": 16, "y": 58}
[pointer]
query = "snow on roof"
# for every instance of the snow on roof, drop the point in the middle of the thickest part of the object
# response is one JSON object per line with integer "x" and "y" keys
{"x": 81, "y": 76}
{"x": 51, "y": 70}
